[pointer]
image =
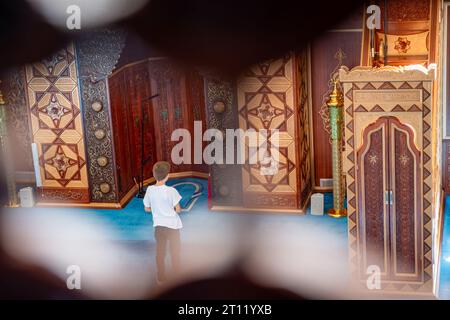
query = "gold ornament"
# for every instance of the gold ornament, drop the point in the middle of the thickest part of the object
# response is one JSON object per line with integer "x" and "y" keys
{"x": 100, "y": 134}
{"x": 105, "y": 187}
{"x": 335, "y": 105}
{"x": 97, "y": 106}
{"x": 102, "y": 161}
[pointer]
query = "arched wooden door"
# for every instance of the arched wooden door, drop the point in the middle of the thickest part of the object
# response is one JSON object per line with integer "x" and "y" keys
{"x": 389, "y": 205}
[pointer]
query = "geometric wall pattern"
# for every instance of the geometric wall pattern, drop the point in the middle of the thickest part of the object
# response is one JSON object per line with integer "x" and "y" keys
{"x": 369, "y": 94}
{"x": 267, "y": 100}
{"x": 56, "y": 125}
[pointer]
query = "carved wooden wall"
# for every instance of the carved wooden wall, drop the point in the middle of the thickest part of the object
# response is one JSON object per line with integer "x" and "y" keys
{"x": 180, "y": 102}
{"x": 97, "y": 54}
{"x": 339, "y": 46}
{"x": 411, "y": 34}
{"x": 393, "y": 108}
{"x": 56, "y": 123}
{"x": 17, "y": 120}
{"x": 226, "y": 180}
{"x": 267, "y": 98}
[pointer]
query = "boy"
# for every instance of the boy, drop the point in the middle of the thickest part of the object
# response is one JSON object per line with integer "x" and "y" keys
{"x": 163, "y": 202}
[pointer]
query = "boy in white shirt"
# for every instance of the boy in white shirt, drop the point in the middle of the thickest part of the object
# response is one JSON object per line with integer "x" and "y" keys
{"x": 163, "y": 202}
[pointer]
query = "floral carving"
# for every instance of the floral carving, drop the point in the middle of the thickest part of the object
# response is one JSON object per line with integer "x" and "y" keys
{"x": 402, "y": 45}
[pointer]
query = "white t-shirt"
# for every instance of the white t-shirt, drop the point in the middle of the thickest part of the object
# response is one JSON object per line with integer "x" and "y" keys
{"x": 162, "y": 200}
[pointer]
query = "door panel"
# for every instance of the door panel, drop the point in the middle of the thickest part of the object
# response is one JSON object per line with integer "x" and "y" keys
{"x": 389, "y": 203}
{"x": 406, "y": 206}
{"x": 373, "y": 211}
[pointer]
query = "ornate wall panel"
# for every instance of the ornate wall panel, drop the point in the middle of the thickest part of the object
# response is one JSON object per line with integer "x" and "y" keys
{"x": 374, "y": 179}
{"x": 179, "y": 104}
{"x": 407, "y": 96}
{"x": 328, "y": 53}
{"x": 411, "y": 33}
{"x": 226, "y": 180}
{"x": 267, "y": 100}
{"x": 304, "y": 128}
{"x": 129, "y": 90}
{"x": 57, "y": 128}
{"x": 97, "y": 54}
{"x": 17, "y": 119}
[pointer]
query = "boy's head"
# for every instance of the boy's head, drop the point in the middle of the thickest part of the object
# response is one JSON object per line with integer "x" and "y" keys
{"x": 161, "y": 170}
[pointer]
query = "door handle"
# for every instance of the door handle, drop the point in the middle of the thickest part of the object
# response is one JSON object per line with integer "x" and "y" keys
{"x": 388, "y": 197}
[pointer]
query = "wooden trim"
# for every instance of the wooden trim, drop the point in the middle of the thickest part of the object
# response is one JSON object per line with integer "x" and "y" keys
{"x": 412, "y": 27}
{"x": 126, "y": 199}
{"x": 346, "y": 30}
{"x": 90, "y": 205}
{"x": 445, "y": 69}
{"x": 310, "y": 116}
{"x": 322, "y": 189}
{"x": 135, "y": 63}
{"x": 433, "y": 35}
{"x": 239, "y": 209}
{"x": 365, "y": 43}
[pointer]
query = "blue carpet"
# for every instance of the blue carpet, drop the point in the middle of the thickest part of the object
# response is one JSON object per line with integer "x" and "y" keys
{"x": 133, "y": 223}
{"x": 131, "y": 228}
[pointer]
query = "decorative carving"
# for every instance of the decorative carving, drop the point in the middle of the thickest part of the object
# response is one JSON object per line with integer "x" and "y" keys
{"x": 98, "y": 52}
{"x": 102, "y": 161}
{"x": 97, "y": 106}
{"x": 267, "y": 101}
{"x": 105, "y": 188}
{"x": 406, "y": 10}
{"x": 324, "y": 112}
{"x": 219, "y": 107}
{"x": 402, "y": 45}
{"x": 226, "y": 183}
{"x": 64, "y": 195}
{"x": 54, "y": 108}
{"x": 17, "y": 120}
{"x": 304, "y": 143}
{"x": 403, "y": 80}
{"x": 406, "y": 186}
{"x": 372, "y": 190}
{"x": 100, "y": 134}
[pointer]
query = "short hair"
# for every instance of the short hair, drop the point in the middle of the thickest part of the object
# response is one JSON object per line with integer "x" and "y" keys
{"x": 160, "y": 170}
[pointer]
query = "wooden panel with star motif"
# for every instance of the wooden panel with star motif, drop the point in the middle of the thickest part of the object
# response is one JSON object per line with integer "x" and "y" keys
{"x": 56, "y": 124}
{"x": 266, "y": 99}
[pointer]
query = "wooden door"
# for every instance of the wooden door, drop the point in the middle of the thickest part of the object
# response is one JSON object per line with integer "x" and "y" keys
{"x": 405, "y": 208}
{"x": 121, "y": 132}
{"x": 389, "y": 205}
{"x": 373, "y": 205}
